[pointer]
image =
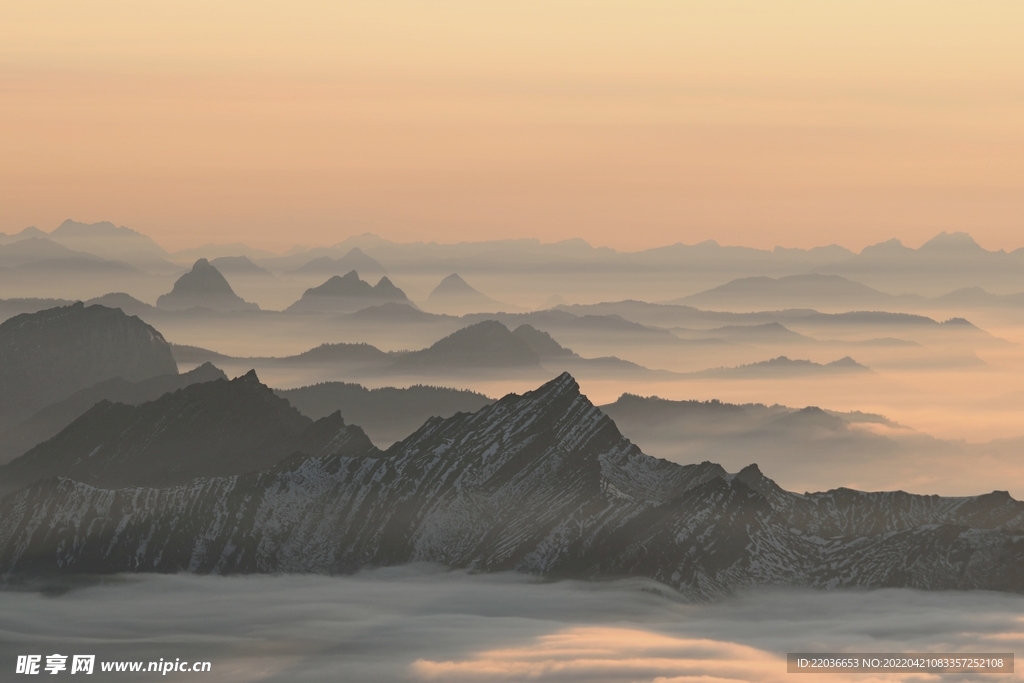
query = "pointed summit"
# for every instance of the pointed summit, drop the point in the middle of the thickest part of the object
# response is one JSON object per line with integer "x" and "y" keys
{"x": 212, "y": 429}
{"x": 453, "y": 285}
{"x": 951, "y": 241}
{"x": 204, "y": 287}
{"x": 455, "y": 295}
{"x": 349, "y": 293}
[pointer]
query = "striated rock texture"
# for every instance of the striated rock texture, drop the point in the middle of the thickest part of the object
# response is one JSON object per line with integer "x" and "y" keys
{"x": 541, "y": 483}
{"x": 348, "y": 293}
{"x": 49, "y": 355}
{"x": 210, "y": 429}
{"x": 203, "y": 287}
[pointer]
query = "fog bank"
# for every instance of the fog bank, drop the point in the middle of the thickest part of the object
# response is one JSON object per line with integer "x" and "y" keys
{"x": 420, "y": 623}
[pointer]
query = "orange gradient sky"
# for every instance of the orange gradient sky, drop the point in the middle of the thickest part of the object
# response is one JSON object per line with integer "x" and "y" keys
{"x": 631, "y": 124}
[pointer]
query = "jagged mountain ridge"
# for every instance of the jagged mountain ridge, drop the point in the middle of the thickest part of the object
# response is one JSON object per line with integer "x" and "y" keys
{"x": 50, "y": 420}
{"x": 542, "y": 483}
{"x": 386, "y": 414}
{"x": 348, "y": 293}
{"x": 208, "y": 429}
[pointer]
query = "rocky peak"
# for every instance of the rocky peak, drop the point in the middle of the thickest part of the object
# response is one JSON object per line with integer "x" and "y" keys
{"x": 203, "y": 287}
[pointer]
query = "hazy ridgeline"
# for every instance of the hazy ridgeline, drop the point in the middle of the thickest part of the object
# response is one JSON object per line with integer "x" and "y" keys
{"x": 717, "y": 316}
{"x": 374, "y": 404}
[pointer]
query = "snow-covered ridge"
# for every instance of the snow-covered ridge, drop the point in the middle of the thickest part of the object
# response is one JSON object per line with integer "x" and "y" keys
{"x": 543, "y": 483}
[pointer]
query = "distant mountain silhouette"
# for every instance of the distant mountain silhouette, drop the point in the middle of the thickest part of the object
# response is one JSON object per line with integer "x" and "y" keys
{"x": 212, "y": 252}
{"x": 609, "y": 327}
{"x": 348, "y": 293}
{"x": 110, "y": 242}
{"x": 25, "y": 234}
{"x": 487, "y": 344}
{"x": 976, "y": 297}
{"x": 393, "y": 312}
{"x": 338, "y": 353}
{"x": 765, "y": 333}
{"x": 542, "y": 343}
{"x": 16, "y": 306}
{"x": 488, "y": 347}
{"x": 387, "y": 414}
{"x": 49, "y": 355}
{"x": 356, "y": 354}
{"x": 53, "y": 418}
{"x": 355, "y": 259}
{"x": 785, "y": 367}
{"x": 38, "y": 253}
{"x": 238, "y": 265}
{"x": 455, "y": 295}
{"x": 947, "y": 261}
{"x": 813, "y": 290}
{"x": 801, "y": 445}
{"x": 217, "y": 428}
{"x": 203, "y": 287}
{"x": 125, "y": 302}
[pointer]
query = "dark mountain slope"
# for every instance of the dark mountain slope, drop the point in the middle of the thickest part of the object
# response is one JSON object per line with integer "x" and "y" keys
{"x": 212, "y": 429}
{"x": 542, "y": 483}
{"x": 49, "y": 355}
{"x": 50, "y": 420}
{"x": 387, "y": 414}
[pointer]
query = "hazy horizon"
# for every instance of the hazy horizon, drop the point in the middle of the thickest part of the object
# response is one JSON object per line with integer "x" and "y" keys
{"x": 637, "y": 124}
{"x": 405, "y": 341}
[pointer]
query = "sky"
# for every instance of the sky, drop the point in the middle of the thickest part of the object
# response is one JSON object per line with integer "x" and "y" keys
{"x": 630, "y": 124}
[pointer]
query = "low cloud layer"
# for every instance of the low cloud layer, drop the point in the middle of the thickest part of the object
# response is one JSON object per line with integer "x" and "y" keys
{"x": 423, "y": 624}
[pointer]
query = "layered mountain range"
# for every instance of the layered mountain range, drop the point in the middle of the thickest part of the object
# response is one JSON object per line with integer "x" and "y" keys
{"x": 541, "y": 482}
{"x": 49, "y": 355}
{"x": 207, "y": 429}
{"x": 348, "y": 293}
{"x": 53, "y": 418}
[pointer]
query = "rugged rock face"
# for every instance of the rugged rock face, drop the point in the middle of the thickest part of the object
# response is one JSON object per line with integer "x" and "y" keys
{"x": 540, "y": 483}
{"x": 387, "y": 414}
{"x": 49, "y": 355}
{"x": 348, "y": 293}
{"x": 211, "y": 429}
{"x": 204, "y": 287}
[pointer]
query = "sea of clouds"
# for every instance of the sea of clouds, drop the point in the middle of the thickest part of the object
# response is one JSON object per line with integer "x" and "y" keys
{"x": 422, "y": 623}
